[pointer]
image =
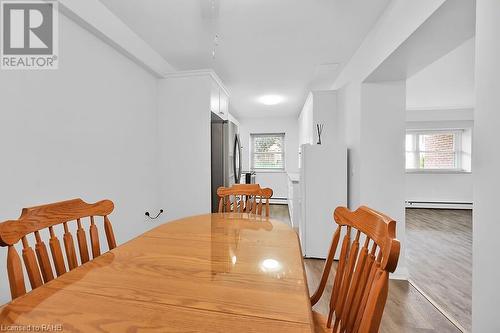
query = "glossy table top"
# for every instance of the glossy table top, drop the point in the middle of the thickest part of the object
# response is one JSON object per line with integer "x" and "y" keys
{"x": 207, "y": 273}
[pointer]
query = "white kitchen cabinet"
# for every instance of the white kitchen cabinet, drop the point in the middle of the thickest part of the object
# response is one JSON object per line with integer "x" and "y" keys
{"x": 223, "y": 104}
{"x": 219, "y": 100}
{"x": 214, "y": 97}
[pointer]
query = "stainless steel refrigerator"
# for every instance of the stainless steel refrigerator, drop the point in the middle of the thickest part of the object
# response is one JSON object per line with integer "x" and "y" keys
{"x": 226, "y": 156}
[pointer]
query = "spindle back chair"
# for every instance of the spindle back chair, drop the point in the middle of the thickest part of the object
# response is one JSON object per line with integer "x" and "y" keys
{"x": 244, "y": 198}
{"x": 361, "y": 281}
{"x": 32, "y": 221}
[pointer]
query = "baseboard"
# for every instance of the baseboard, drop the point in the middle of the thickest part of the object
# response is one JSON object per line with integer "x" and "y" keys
{"x": 439, "y": 308}
{"x": 438, "y": 204}
{"x": 278, "y": 201}
{"x": 400, "y": 274}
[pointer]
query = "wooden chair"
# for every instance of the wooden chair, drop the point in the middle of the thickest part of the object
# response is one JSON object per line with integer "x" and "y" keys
{"x": 361, "y": 281}
{"x": 34, "y": 219}
{"x": 244, "y": 198}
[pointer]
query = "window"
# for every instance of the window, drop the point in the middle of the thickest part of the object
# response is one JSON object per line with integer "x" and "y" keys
{"x": 268, "y": 151}
{"x": 439, "y": 150}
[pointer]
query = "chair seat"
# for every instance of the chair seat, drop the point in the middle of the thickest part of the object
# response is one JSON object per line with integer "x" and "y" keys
{"x": 320, "y": 323}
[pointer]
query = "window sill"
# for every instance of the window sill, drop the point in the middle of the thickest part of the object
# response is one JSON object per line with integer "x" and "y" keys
{"x": 437, "y": 171}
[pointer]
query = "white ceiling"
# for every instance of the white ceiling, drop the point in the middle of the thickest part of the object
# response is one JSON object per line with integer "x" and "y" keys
{"x": 265, "y": 46}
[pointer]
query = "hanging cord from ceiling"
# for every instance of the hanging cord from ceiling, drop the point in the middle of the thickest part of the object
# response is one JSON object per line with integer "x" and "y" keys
{"x": 216, "y": 43}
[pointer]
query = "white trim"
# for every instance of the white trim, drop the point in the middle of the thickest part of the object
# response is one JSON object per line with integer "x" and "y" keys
{"x": 400, "y": 274}
{"x": 199, "y": 72}
{"x": 261, "y": 171}
{"x": 437, "y": 171}
{"x": 440, "y": 108}
{"x": 93, "y": 16}
{"x": 433, "y": 130}
{"x": 439, "y": 308}
{"x": 278, "y": 201}
{"x": 232, "y": 119}
{"x": 438, "y": 204}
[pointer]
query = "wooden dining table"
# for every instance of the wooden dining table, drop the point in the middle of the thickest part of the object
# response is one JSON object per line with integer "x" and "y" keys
{"x": 208, "y": 273}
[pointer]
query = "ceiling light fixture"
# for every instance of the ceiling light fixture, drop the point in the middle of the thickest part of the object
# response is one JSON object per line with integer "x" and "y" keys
{"x": 271, "y": 99}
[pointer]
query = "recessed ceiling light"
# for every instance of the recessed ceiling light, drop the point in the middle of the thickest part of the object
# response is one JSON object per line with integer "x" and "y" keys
{"x": 271, "y": 99}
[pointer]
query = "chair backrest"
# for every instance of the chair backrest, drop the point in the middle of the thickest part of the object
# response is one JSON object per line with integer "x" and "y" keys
{"x": 34, "y": 219}
{"x": 361, "y": 281}
{"x": 244, "y": 198}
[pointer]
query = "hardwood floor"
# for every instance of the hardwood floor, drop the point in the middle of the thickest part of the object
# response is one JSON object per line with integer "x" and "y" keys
{"x": 439, "y": 255}
{"x": 406, "y": 309}
{"x": 280, "y": 213}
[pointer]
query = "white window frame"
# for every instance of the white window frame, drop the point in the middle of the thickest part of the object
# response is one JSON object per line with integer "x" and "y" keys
{"x": 457, "y": 149}
{"x": 252, "y": 152}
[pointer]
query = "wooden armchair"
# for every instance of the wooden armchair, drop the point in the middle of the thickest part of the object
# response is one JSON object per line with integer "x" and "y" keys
{"x": 362, "y": 278}
{"x": 32, "y": 221}
{"x": 244, "y": 198}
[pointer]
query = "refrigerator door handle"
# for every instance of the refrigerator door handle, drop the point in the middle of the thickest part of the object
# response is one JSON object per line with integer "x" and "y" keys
{"x": 237, "y": 159}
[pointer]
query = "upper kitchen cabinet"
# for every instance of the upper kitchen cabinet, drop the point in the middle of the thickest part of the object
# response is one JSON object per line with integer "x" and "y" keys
{"x": 219, "y": 99}
{"x": 320, "y": 108}
{"x": 214, "y": 98}
{"x": 223, "y": 104}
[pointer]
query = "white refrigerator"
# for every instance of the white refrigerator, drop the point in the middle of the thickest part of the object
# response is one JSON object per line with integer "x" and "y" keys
{"x": 323, "y": 181}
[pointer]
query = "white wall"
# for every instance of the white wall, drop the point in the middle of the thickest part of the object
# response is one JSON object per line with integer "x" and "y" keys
{"x": 321, "y": 108}
{"x": 349, "y": 105}
{"x": 381, "y": 162}
{"x": 486, "y": 163}
{"x": 85, "y": 130}
{"x": 306, "y": 122}
{"x": 374, "y": 130}
{"x": 439, "y": 187}
{"x": 446, "y": 83}
{"x": 288, "y": 125}
{"x": 433, "y": 115}
{"x": 184, "y": 134}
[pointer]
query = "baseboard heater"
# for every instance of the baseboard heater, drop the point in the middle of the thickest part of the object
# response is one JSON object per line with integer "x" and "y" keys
{"x": 439, "y": 204}
{"x": 278, "y": 201}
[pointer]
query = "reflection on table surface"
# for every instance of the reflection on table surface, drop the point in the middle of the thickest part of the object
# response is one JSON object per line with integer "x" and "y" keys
{"x": 240, "y": 265}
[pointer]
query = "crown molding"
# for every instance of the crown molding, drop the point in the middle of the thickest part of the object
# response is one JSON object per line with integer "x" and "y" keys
{"x": 199, "y": 72}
